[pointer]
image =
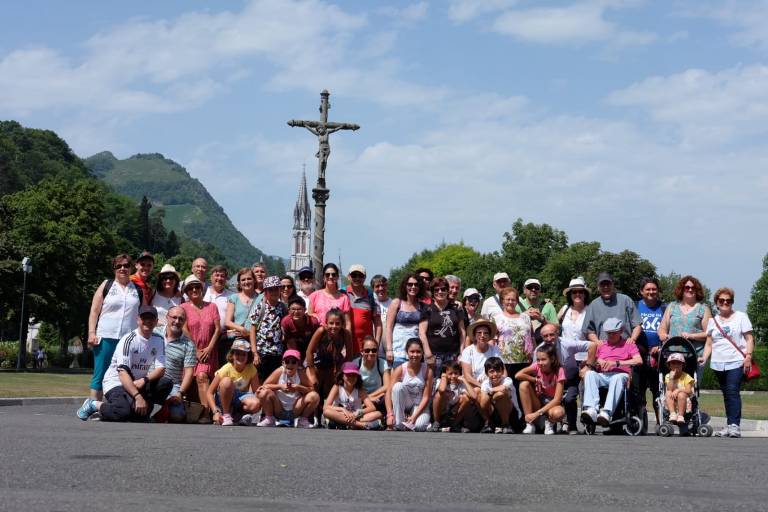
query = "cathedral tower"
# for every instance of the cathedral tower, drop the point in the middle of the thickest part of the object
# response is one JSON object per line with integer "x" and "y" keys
{"x": 302, "y": 241}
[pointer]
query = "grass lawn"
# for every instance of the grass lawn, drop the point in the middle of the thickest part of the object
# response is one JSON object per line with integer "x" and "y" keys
{"x": 14, "y": 385}
{"x": 753, "y": 407}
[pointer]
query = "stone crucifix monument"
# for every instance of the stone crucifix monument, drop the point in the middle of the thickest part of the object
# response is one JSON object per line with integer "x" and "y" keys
{"x": 322, "y": 129}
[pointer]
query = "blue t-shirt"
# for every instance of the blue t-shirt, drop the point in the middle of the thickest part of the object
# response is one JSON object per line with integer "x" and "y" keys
{"x": 651, "y": 320}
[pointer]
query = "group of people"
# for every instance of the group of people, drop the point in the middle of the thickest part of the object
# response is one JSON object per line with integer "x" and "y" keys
{"x": 279, "y": 351}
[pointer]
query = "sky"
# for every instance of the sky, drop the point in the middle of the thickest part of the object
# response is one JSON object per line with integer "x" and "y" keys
{"x": 638, "y": 124}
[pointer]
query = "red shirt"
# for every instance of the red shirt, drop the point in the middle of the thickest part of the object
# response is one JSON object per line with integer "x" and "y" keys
{"x": 302, "y": 336}
{"x": 138, "y": 281}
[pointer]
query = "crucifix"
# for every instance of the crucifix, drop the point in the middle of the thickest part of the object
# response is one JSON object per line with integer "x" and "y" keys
{"x": 322, "y": 129}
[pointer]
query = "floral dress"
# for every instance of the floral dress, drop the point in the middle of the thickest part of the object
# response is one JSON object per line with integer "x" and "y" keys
{"x": 514, "y": 340}
{"x": 269, "y": 334}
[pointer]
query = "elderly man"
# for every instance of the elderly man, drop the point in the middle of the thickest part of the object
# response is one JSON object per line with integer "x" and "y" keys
{"x": 366, "y": 318}
{"x": 611, "y": 365}
{"x": 454, "y": 288}
{"x": 135, "y": 380}
{"x": 260, "y": 273}
{"x": 180, "y": 361}
{"x": 306, "y": 278}
{"x": 540, "y": 311}
{"x": 218, "y": 293}
{"x": 611, "y": 304}
{"x": 492, "y": 305}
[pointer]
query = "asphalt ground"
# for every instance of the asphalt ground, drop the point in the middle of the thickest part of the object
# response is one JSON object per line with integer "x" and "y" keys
{"x": 53, "y": 461}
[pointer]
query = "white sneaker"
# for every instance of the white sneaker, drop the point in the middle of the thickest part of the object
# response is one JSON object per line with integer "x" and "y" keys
{"x": 303, "y": 423}
{"x": 589, "y": 415}
{"x": 549, "y": 429}
{"x": 603, "y": 419}
{"x": 723, "y": 432}
{"x": 529, "y": 429}
{"x": 734, "y": 431}
{"x": 267, "y": 421}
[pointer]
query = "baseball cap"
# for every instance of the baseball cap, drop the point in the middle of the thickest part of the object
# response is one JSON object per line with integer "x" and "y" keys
{"x": 531, "y": 281}
{"x": 292, "y": 353}
{"x": 148, "y": 310}
{"x": 305, "y": 270}
{"x": 357, "y": 268}
{"x": 613, "y": 325}
{"x": 500, "y": 275}
{"x": 350, "y": 367}
{"x": 676, "y": 356}
{"x": 145, "y": 255}
{"x": 604, "y": 276}
{"x": 472, "y": 291}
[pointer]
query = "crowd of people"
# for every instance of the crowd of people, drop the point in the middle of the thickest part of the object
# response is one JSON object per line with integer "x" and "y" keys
{"x": 278, "y": 351}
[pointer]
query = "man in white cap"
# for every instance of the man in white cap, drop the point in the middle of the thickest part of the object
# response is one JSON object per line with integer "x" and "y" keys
{"x": 541, "y": 311}
{"x": 611, "y": 365}
{"x": 492, "y": 305}
{"x": 366, "y": 318}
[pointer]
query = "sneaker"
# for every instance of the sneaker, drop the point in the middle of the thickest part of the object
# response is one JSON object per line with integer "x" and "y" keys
{"x": 673, "y": 417}
{"x": 226, "y": 420}
{"x": 734, "y": 431}
{"x": 588, "y": 416}
{"x": 603, "y": 419}
{"x": 497, "y": 430}
{"x": 486, "y": 429}
{"x": 88, "y": 408}
{"x": 465, "y": 430}
{"x": 435, "y": 427}
{"x": 267, "y": 421}
{"x": 529, "y": 429}
{"x": 549, "y": 429}
{"x": 249, "y": 420}
{"x": 373, "y": 425}
{"x": 723, "y": 432}
{"x": 303, "y": 423}
{"x": 507, "y": 430}
{"x": 573, "y": 432}
{"x": 409, "y": 426}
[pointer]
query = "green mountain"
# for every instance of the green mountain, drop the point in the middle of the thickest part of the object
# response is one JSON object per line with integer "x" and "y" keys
{"x": 189, "y": 208}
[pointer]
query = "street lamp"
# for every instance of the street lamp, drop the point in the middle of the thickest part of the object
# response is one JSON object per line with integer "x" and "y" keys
{"x": 26, "y": 267}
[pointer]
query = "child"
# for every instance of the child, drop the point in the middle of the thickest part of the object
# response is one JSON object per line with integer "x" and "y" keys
{"x": 497, "y": 397}
{"x": 288, "y": 393}
{"x": 541, "y": 390}
{"x": 410, "y": 390}
{"x": 679, "y": 388}
{"x": 348, "y": 404}
{"x": 326, "y": 351}
{"x": 234, "y": 385}
{"x": 450, "y": 401}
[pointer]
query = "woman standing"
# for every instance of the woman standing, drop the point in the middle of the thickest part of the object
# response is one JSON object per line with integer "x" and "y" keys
{"x": 515, "y": 340}
{"x": 329, "y": 297}
{"x": 403, "y": 317}
{"x": 471, "y": 306}
{"x": 203, "y": 327}
{"x": 441, "y": 328}
{"x": 287, "y": 289}
{"x": 167, "y": 293}
{"x": 730, "y": 343}
{"x": 114, "y": 313}
{"x": 239, "y": 305}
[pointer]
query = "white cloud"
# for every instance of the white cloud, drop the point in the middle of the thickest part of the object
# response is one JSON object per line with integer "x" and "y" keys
{"x": 748, "y": 17}
{"x": 408, "y": 14}
{"x": 465, "y": 10}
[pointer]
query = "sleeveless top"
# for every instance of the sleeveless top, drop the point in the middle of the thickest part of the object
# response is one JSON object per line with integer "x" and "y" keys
{"x": 414, "y": 384}
{"x": 349, "y": 401}
{"x": 119, "y": 311}
{"x": 328, "y": 352}
{"x": 406, "y": 327}
{"x": 240, "y": 315}
{"x": 287, "y": 400}
{"x": 690, "y": 323}
{"x": 572, "y": 329}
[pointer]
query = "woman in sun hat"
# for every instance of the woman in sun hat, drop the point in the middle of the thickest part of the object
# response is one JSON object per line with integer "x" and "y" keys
{"x": 167, "y": 292}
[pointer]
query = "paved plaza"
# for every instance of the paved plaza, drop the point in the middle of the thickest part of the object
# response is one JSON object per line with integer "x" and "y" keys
{"x": 53, "y": 461}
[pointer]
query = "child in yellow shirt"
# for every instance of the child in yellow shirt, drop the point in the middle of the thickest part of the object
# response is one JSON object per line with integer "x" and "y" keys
{"x": 679, "y": 388}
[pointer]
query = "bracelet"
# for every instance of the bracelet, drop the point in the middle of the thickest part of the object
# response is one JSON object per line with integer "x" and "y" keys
{"x": 135, "y": 395}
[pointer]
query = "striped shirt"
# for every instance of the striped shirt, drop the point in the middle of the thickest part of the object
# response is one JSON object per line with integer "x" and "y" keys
{"x": 179, "y": 354}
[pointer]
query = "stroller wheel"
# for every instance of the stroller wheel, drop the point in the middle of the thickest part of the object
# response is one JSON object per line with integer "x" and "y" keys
{"x": 634, "y": 426}
{"x": 666, "y": 429}
{"x": 705, "y": 430}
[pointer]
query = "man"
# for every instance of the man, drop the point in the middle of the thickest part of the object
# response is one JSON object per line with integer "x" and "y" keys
{"x": 454, "y": 288}
{"x": 380, "y": 287}
{"x": 306, "y": 277}
{"x": 425, "y": 276}
{"x": 260, "y": 273}
{"x": 180, "y": 361}
{"x": 366, "y": 318}
{"x": 266, "y": 334}
{"x": 135, "y": 380}
{"x": 651, "y": 311}
{"x": 610, "y": 368}
{"x": 611, "y": 304}
{"x": 218, "y": 293}
{"x": 145, "y": 263}
{"x": 566, "y": 352}
{"x": 492, "y": 305}
{"x": 540, "y": 311}
{"x": 200, "y": 270}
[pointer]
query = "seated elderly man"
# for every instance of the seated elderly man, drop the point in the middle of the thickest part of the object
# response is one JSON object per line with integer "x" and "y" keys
{"x": 611, "y": 367}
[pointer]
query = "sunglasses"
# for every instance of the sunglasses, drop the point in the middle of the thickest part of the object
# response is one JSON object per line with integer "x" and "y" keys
{"x": 412, "y": 285}
{"x": 290, "y": 361}
{"x": 331, "y": 274}
{"x": 440, "y": 289}
{"x": 193, "y": 287}
{"x": 239, "y": 353}
{"x": 122, "y": 265}
{"x": 533, "y": 287}
{"x": 726, "y": 302}
{"x": 370, "y": 350}
{"x": 689, "y": 288}
{"x": 286, "y": 286}
{"x": 356, "y": 275}
{"x": 578, "y": 292}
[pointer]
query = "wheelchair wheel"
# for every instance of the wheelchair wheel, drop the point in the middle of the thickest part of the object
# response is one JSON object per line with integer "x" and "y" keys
{"x": 666, "y": 429}
{"x": 705, "y": 430}
{"x": 633, "y": 426}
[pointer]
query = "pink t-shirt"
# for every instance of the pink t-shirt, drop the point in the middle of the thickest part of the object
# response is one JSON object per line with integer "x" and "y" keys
{"x": 321, "y": 303}
{"x": 546, "y": 383}
{"x": 620, "y": 352}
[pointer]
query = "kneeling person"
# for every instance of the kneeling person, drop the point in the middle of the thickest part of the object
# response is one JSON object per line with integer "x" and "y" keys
{"x": 451, "y": 399}
{"x": 288, "y": 393}
{"x": 497, "y": 397}
{"x": 130, "y": 388}
{"x": 234, "y": 385}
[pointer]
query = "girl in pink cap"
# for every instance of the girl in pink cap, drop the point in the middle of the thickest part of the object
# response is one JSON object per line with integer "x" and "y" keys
{"x": 287, "y": 394}
{"x": 348, "y": 405}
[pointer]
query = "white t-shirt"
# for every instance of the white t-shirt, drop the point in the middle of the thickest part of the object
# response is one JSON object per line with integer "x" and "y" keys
{"x": 383, "y": 306}
{"x": 137, "y": 353}
{"x": 453, "y": 392}
{"x": 490, "y": 307}
{"x": 485, "y": 386}
{"x": 734, "y": 326}
{"x": 476, "y": 359}
{"x": 163, "y": 304}
{"x": 572, "y": 329}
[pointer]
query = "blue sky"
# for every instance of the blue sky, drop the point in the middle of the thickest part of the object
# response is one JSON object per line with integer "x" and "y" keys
{"x": 639, "y": 124}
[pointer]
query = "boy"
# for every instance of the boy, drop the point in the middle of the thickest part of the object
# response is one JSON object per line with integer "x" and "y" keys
{"x": 497, "y": 392}
{"x": 450, "y": 401}
{"x": 679, "y": 388}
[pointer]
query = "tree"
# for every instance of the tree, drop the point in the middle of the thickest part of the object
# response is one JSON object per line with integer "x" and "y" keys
{"x": 145, "y": 229}
{"x": 172, "y": 247}
{"x": 527, "y": 249}
{"x": 627, "y": 269}
{"x": 757, "y": 309}
{"x": 574, "y": 261}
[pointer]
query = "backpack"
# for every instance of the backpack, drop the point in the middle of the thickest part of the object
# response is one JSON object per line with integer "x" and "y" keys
{"x": 109, "y": 284}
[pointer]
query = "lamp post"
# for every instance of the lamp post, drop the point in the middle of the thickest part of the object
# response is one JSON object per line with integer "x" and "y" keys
{"x": 26, "y": 267}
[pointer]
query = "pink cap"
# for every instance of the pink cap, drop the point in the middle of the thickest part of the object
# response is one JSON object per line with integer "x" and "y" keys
{"x": 292, "y": 353}
{"x": 350, "y": 367}
{"x": 676, "y": 356}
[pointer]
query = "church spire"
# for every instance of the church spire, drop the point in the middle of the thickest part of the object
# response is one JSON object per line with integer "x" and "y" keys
{"x": 302, "y": 242}
{"x": 301, "y": 212}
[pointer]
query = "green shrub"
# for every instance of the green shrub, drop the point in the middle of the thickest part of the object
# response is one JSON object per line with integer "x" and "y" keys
{"x": 9, "y": 353}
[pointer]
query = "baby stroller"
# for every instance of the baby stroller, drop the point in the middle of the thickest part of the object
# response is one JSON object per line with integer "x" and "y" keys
{"x": 693, "y": 420}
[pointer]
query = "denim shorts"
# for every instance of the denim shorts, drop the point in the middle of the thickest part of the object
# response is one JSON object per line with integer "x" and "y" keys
{"x": 237, "y": 399}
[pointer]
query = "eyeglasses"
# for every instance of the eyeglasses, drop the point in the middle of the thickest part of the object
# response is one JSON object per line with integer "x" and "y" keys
{"x": 533, "y": 287}
{"x": 290, "y": 361}
{"x": 440, "y": 289}
{"x": 412, "y": 285}
{"x": 331, "y": 274}
{"x": 370, "y": 350}
{"x": 689, "y": 288}
{"x": 122, "y": 265}
{"x": 194, "y": 287}
{"x": 578, "y": 292}
{"x": 725, "y": 302}
{"x": 482, "y": 334}
{"x": 286, "y": 286}
{"x": 357, "y": 275}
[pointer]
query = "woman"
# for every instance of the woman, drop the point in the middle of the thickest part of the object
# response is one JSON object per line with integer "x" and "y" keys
{"x": 287, "y": 289}
{"x": 329, "y": 297}
{"x": 167, "y": 293}
{"x": 571, "y": 316}
{"x": 471, "y": 305}
{"x": 410, "y": 390}
{"x": 687, "y": 317}
{"x": 266, "y": 335}
{"x": 730, "y": 343}
{"x": 114, "y": 313}
{"x": 203, "y": 327}
{"x": 441, "y": 328}
{"x": 473, "y": 357}
{"x": 239, "y": 305}
{"x": 403, "y": 317}
{"x": 515, "y": 340}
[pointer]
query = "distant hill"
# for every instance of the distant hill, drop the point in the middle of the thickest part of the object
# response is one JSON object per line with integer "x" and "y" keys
{"x": 189, "y": 208}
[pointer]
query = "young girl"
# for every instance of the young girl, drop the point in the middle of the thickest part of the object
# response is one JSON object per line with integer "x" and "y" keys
{"x": 541, "y": 390}
{"x": 411, "y": 386}
{"x": 679, "y": 388}
{"x": 287, "y": 393}
{"x": 329, "y": 347}
{"x": 233, "y": 387}
{"x": 374, "y": 373}
{"x": 348, "y": 404}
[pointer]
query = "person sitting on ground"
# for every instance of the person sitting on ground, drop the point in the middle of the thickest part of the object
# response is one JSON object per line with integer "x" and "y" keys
{"x": 451, "y": 400}
{"x": 233, "y": 389}
{"x": 130, "y": 388}
{"x": 474, "y": 356}
{"x": 410, "y": 391}
{"x": 497, "y": 398}
{"x": 287, "y": 394}
{"x": 180, "y": 362}
{"x": 611, "y": 367}
{"x": 348, "y": 405}
{"x": 679, "y": 388}
{"x": 541, "y": 389}
{"x": 374, "y": 373}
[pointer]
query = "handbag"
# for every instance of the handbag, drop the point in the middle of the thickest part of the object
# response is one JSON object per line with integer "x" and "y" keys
{"x": 754, "y": 370}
